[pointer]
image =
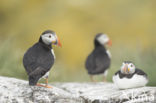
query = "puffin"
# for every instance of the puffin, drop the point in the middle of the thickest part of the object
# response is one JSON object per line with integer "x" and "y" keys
{"x": 39, "y": 58}
{"x": 129, "y": 76}
{"x": 99, "y": 60}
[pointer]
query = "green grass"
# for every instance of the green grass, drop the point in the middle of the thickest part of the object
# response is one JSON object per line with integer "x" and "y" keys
{"x": 11, "y": 65}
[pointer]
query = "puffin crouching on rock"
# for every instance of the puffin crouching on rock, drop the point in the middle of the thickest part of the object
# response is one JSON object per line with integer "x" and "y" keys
{"x": 129, "y": 76}
{"x": 98, "y": 62}
{"x": 39, "y": 58}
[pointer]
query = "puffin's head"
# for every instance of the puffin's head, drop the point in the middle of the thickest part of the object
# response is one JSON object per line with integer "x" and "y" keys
{"x": 49, "y": 37}
{"x": 102, "y": 39}
{"x": 127, "y": 67}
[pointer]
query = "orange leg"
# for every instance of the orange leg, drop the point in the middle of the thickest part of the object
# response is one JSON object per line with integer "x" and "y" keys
{"x": 46, "y": 85}
{"x": 40, "y": 85}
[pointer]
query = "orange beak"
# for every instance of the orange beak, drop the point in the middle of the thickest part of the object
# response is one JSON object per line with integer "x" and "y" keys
{"x": 110, "y": 43}
{"x": 125, "y": 69}
{"x": 59, "y": 42}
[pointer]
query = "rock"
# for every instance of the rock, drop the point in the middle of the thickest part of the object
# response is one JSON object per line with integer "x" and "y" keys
{"x": 18, "y": 91}
{"x": 109, "y": 93}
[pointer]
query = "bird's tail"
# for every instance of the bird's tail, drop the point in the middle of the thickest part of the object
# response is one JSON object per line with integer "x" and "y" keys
{"x": 36, "y": 75}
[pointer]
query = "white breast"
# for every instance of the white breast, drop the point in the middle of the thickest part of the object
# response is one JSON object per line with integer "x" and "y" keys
{"x": 52, "y": 51}
{"x": 125, "y": 83}
{"x": 46, "y": 75}
{"x": 105, "y": 73}
{"x": 108, "y": 53}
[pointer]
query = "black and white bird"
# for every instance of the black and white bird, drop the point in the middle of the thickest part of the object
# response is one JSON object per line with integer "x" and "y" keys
{"x": 129, "y": 76}
{"x": 99, "y": 60}
{"x": 39, "y": 58}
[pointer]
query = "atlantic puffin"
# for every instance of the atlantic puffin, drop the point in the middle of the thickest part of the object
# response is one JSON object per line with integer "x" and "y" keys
{"x": 129, "y": 76}
{"x": 99, "y": 60}
{"x": 39, "y": 58}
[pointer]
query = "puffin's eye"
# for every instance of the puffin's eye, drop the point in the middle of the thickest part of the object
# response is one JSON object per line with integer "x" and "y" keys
{"x": 49, "y": 36}
{"x": 131, "y": 65}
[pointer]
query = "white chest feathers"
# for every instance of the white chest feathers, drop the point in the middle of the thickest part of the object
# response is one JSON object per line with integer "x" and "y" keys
{"x": 126, "y": 83}
{"x": 46, "y": 75}
{"x": 109, "y": 54}
{"x": 52, "y": 51}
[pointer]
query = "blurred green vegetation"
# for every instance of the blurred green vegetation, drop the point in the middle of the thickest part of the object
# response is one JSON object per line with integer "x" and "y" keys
{"x": 131, "y": 24}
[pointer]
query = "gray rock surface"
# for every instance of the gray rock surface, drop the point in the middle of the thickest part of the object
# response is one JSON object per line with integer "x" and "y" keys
{"x": 18, "y": 91}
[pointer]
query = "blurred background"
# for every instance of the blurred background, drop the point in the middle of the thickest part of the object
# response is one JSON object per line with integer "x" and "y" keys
{"x": 131, "y": 25}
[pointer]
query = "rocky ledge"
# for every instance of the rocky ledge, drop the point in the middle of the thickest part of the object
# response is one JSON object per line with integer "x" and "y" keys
{"x": 18, "y": 91}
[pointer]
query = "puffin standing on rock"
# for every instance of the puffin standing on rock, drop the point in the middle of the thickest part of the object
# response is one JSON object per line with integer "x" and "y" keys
{"x": 39, "y": 58}
{"x": 129, "y": 76}
{"x": 99, "y": 60}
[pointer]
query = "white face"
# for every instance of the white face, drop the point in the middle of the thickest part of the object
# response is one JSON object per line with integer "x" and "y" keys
{"x": 127, "y": 68}
{"x": 103, "y": 39}
{"x": 49, "y": 38}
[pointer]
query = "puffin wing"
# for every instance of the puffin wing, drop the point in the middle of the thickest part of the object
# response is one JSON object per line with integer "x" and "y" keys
{"x": 102, "y": 62}
{"x": 29, "y": 60}
{"x": 140, "y": 72}
{"x": 37, "y": 57}
{"x": 90, "y": 64}
{"x": 37, "y": 62}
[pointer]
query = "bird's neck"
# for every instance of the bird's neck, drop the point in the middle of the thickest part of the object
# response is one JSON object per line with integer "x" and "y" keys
{"x": 98, "y": 45}
{"x": 45, "y": 45}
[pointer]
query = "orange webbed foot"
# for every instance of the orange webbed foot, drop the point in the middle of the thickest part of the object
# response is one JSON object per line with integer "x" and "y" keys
{"x": 46, "y": 86}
